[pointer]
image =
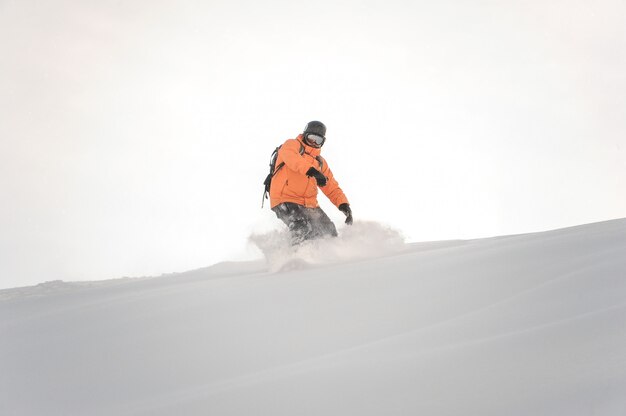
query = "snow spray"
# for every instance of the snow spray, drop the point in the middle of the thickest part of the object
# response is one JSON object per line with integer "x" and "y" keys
{"x": 362, "y": 240}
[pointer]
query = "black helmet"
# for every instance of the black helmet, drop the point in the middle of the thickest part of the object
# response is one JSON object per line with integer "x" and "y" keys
{"x": 315, "y": 127}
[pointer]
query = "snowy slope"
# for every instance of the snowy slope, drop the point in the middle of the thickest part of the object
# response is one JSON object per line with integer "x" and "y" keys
{"x": 530, "y": 324}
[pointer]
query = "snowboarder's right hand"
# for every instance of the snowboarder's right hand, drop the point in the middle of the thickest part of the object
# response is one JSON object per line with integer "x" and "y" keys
{"x": 319, "y": 177}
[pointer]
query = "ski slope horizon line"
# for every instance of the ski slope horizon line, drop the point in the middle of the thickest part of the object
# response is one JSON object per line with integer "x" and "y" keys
{"x": 52, "y": 285}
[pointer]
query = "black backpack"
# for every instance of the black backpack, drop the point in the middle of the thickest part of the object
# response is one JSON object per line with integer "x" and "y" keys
{"x": 274, "y": 170}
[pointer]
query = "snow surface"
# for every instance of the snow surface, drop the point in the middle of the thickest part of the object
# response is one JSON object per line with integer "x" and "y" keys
{"x": 530, "y": 324}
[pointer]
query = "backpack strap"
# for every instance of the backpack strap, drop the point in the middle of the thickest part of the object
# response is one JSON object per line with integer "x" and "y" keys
{"x": 320, "y": 160}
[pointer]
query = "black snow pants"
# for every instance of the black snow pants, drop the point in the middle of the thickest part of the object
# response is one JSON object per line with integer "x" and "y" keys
{"x": 305, "y": 223}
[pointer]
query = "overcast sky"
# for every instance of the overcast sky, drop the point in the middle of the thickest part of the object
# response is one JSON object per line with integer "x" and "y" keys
{"x": 135, "y": 135}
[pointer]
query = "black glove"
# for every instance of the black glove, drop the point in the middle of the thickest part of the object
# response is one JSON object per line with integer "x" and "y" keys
{"x": 321, "y": 179}
{"x": 345, "y": 208}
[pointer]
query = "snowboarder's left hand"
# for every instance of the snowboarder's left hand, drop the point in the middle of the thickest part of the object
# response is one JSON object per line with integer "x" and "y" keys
{"x": 345, "y": 208}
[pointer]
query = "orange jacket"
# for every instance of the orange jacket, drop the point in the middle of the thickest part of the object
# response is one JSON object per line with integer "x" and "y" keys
{"x": 290, "y": 184}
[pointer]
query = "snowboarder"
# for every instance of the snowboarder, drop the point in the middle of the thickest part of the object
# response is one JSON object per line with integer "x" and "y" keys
{"x": 293, "y": 190}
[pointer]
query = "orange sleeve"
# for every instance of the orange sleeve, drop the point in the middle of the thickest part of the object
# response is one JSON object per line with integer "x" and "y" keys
{"x": 332, "y": 189}
{"x": 290, "y": 154}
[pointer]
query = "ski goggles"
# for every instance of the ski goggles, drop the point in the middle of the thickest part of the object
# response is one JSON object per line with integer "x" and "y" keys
{"x": 315, "y": 139}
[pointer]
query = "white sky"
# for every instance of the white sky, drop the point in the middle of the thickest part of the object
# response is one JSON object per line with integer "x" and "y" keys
{"x": 135, "y": 136}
